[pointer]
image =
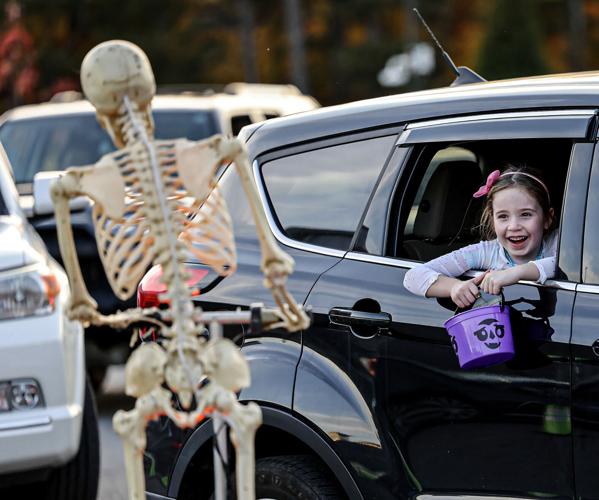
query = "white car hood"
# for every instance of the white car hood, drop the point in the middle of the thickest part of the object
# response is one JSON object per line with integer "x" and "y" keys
{"x": 15, "y": 248}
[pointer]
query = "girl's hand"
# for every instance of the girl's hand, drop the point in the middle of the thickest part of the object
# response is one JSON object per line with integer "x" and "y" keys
{"x": 465, "y": 293}
{"x": 494, "y": 281}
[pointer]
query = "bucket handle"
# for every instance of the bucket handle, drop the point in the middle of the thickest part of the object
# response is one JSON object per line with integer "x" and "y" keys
{"x": 501, "y": 304}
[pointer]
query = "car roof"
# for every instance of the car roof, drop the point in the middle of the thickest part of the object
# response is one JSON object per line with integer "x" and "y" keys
{"x": 222, "y": 102}
{"x": 574, "y": 90}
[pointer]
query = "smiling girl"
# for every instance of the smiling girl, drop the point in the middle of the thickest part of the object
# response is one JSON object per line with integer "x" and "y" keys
{"x": 519, "y": 245}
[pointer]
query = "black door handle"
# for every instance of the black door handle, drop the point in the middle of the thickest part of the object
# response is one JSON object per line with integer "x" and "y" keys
{"x": 343, "y": 316}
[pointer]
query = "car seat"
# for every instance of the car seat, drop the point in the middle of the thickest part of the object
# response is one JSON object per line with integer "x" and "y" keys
{"x": 447, "y": 211}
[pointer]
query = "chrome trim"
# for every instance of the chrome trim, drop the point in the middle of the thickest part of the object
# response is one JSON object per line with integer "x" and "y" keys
{"x": 377, "y": 259}
{"x": 506, "y": 116}
{"x": 588, "y": 288}
{"x": 403, "y": 137}
{"x": 24, "y": 423}
{"x": 445, "y": 496}
{"x": 409, "y": 264}
{"x": 281, "y": 238}
{"x": 561, "y": 285}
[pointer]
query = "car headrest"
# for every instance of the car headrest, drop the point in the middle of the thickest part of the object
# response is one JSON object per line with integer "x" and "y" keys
{"x": 446, "y": 200}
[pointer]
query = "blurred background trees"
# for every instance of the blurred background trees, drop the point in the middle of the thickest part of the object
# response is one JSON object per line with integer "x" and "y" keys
{"x": 337, "y": 50}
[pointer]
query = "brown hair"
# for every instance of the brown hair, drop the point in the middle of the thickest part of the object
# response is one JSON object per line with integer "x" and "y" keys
{"x": 534, "y": 187}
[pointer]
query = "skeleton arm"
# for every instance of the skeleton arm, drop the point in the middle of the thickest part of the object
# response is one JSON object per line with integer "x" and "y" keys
{"x": 100, "y": 182}
{"x": 276, "y": 264}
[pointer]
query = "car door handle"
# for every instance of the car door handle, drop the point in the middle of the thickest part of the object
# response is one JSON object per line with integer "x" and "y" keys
{"x": 342, "y": 316}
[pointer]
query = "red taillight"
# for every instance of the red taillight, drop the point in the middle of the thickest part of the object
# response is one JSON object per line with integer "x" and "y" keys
{"x": 150, "y": 287}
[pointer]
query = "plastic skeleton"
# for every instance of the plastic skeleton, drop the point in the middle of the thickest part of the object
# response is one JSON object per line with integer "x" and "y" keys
{"x": 143, "y": 215}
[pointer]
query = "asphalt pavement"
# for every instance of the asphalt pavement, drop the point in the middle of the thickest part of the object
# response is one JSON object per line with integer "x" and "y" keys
{"x": 111, "y": 397}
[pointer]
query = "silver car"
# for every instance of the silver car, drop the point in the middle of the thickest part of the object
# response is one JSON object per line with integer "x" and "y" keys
{"x": 48, "y": 422}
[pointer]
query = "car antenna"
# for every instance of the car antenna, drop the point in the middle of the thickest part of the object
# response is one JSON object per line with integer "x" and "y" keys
{"x": 463, "y": 74}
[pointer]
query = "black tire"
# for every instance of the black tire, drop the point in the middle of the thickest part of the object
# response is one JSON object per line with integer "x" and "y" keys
{"x": 78, "y": 478}
{"x": 290, "y": 477}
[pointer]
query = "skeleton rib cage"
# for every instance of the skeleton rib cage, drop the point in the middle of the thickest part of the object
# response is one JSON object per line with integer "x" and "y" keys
{"x": 128, "y": 245}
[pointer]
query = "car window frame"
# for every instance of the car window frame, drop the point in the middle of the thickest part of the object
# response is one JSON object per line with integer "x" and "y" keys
{"x": 591, "y": 214}
{"x": 579, "y": 161}
{"x": 322, "y": 143}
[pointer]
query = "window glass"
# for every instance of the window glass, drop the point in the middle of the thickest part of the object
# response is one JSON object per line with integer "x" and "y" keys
{"x": 319, "y": 196}
{"x": 439, "y": 213}
{"x": 238, "y": 122}
{"x": 590, "y": 256}
{"x": 192, "y": 125}
{"x": 231, "y": 188}
{"x": 371, "y": 237}
{"x": 45, "y": 144}
{"x": 3, "y": 207}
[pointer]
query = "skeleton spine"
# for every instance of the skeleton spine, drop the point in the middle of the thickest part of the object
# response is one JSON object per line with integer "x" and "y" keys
{"x": 164, "y": 222}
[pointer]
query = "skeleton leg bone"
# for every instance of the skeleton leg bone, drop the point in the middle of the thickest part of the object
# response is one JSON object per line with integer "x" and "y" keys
{"x": 132, "y": 432}
{"x": 245, "y": 420}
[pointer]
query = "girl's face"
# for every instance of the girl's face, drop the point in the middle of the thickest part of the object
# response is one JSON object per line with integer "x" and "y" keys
{"x": 519, "y": 223}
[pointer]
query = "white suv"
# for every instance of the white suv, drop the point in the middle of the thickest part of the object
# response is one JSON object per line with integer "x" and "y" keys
{"x": 48, "y": 422}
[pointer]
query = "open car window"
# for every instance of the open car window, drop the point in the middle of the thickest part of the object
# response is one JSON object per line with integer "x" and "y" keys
{"x": 438, "y": 213}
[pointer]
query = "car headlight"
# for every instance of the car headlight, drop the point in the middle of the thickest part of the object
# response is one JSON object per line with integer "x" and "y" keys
{"x": 29, "y": 291}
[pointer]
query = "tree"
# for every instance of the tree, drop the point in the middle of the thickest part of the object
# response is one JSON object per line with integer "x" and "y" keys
{"x": 18, "y": 72}
{"x": 512, "y": 47}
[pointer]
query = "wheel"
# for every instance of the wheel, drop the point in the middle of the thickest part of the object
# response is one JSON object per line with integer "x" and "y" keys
{"x": 78, "y": 478}
{"x": 290, "y": 477}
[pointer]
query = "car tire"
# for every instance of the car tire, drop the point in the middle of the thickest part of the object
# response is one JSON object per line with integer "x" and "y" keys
{"x": 78, "y": 478}
{"x": 294, "y": 476}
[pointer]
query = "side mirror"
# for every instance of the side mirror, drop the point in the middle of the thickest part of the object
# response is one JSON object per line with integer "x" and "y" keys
{"x": 42, "y": 201}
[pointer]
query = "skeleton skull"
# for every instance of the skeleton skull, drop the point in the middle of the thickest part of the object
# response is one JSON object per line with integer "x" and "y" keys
{"x": 111, "y": 71}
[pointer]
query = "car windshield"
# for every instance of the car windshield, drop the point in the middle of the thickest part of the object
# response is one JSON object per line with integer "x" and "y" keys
{"x": 46, "y": 144}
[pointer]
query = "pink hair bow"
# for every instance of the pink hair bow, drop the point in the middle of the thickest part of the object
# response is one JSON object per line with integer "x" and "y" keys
{"x": 491, "y": 179}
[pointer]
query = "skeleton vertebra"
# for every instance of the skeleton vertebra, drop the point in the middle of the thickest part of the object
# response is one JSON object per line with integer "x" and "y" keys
{"x": 156, "y": 203}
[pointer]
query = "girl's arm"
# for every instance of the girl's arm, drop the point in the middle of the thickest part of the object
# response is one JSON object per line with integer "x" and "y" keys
{"x": 463, "y": 293}
{"x": 539, "y": 271}
{"x": 437, "y": 277}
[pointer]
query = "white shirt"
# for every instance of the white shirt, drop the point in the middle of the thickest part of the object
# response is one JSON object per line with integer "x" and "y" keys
{"x": 484, "y": 255}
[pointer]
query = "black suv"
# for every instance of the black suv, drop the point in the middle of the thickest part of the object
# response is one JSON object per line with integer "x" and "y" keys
{"x": 370, "y": 403}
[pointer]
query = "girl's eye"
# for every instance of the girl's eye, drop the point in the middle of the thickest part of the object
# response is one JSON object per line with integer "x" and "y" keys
{"x": 526, "y": 214}
{"x": 502, "y": 216}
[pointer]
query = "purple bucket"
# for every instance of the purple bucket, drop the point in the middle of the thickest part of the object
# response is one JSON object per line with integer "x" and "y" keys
{"x": 481, "y": 336}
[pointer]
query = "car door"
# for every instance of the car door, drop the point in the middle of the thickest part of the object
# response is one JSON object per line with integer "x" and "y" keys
{"x": 432, "y": 427}
{"x": 585, "y": 349}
